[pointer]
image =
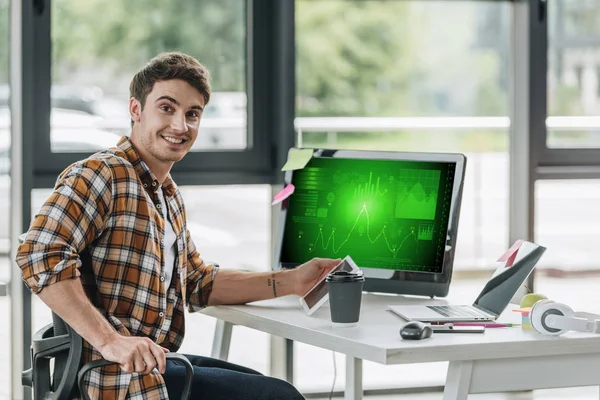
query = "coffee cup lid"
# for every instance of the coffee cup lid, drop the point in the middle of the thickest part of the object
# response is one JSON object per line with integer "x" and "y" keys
{"x": 345, "y": 276}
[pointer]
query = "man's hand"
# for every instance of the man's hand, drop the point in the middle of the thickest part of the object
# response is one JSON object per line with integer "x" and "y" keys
{"x": 134, "y": 354}
{"x": 308, "y": 274}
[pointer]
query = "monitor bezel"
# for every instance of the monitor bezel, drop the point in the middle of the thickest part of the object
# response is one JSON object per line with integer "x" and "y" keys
{"x": 402, "y": 282}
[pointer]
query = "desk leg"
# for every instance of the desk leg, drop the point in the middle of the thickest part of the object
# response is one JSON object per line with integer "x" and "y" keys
{"x": 282, "y": 358}
{"x": 221, "y": 341}
{"x": 458, "y": 380}
{"x": 354, "y": 389}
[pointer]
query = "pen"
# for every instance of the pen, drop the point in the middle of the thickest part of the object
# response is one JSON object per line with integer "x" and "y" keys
{"x": 485, "y": 324}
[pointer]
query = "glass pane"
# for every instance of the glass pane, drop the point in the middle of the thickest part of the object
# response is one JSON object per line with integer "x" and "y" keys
{"x": 566, "y": 222}
{"x": 98, "y": 46}
{"x": 402, "y": 58}
{"x": 410, "y": 76}
{"x": 573, "y": 74}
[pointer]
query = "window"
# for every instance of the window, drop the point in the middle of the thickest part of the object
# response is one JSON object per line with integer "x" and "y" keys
{"x": 566, "y": 221}
{"x": 94, "y": 59}
{"x": 573, "y": 79}
{"x": 414, "y": 76}
{"x": 410, "y": 76}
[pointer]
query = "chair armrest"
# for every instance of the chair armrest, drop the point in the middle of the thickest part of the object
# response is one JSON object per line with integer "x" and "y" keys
{"x": 189, "y": 373}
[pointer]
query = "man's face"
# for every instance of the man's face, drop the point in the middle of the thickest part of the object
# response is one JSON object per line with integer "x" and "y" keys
{"x": 167, "y": 126}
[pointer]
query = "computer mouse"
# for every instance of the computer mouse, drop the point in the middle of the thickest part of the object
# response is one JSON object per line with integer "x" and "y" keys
{"x": 415, "y": 330}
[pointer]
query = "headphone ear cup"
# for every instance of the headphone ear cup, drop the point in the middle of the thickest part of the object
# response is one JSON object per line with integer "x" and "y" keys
{"x": 535, "y": 315}
{"x": 542, "y": 309}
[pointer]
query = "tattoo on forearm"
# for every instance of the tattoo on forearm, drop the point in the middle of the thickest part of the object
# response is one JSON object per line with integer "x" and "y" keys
{"x": 274, "y": 286}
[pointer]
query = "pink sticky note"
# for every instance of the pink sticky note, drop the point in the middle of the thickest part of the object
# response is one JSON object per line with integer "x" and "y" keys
{"x": 510, "y": 261}
{"x": 510, "y": 254}
{"x": 284, "y": 194}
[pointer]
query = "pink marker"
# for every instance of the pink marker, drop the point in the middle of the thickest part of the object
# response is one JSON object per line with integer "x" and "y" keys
{"x": 485, "y": 324}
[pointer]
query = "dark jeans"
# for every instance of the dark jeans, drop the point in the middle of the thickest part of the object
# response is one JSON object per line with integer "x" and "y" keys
{"x": 215, "y": 379}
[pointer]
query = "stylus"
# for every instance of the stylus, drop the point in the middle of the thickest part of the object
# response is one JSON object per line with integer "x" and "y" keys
{"x": 485, "y": 324}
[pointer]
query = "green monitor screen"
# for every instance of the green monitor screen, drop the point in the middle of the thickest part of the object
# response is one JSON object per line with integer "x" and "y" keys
{"x": 385, "y": 214}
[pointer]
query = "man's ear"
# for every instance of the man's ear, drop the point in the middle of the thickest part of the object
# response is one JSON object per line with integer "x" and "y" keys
{"x": 135, "y": 109}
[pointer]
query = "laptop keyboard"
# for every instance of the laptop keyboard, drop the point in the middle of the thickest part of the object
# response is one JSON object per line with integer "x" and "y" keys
{"x": 457, "y": 311}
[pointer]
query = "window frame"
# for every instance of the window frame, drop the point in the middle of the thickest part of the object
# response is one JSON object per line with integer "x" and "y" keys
{"x": 552, "y": 163}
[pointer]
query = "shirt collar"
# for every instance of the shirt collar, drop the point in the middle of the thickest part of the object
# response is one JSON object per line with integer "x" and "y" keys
{"x": 141, "y": 168}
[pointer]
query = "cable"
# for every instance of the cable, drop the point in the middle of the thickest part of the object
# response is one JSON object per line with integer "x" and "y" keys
{"x": 334, "y": 376}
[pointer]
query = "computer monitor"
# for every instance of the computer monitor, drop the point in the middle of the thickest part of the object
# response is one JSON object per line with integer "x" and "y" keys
{"x": 395, "y": 213}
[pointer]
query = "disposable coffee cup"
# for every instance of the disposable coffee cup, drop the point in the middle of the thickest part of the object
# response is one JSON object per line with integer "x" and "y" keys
{"x": 345, "y": 294}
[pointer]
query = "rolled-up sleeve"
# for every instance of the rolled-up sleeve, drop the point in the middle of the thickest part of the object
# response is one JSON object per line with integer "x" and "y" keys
{"x": 73, "y": 216}
{"x": 200, "y": 277}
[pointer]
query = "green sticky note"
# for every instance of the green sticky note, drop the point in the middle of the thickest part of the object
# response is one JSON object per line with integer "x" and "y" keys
{"x": 297, "y": 159}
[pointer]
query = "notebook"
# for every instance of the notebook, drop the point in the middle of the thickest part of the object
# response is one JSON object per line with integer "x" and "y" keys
{"x": 493, "y": 299}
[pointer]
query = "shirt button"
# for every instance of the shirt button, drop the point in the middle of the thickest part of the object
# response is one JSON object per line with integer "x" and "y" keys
{"x": 145, "y": 185}
{"x": 162, "y": 278}
{"x": 161, "y": 314}
{"x": 154, "y": 183}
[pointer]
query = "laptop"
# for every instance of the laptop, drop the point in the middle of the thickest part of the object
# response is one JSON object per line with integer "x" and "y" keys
{"x": 493, "y": 299}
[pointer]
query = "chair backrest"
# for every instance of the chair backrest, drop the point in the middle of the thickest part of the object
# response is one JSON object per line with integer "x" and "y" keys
{"x": 63, "y": 345}
{"x": 59, "y": 342}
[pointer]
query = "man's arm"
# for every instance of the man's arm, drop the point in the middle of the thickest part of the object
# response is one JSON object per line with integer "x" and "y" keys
{"x": 236, "y": 287}
{"x": 134, "y": 354}
{"x": 208, "y": 285}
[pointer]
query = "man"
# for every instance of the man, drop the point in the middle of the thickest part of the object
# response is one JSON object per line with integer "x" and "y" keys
{"x": 110, "y": 253}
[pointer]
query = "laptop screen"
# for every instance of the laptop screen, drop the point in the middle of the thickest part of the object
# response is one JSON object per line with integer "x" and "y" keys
{"x": 505, "y": 282}
{"x": 386, "y": 214}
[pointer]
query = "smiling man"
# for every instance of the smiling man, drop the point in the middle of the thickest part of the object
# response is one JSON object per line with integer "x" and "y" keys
{"x": 110, "y": 253}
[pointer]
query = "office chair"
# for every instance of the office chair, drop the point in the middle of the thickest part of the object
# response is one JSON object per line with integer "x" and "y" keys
{"x": 59, "y": 342}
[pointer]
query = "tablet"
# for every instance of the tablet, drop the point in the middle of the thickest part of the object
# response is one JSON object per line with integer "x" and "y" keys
{"x": 318, "y": 295}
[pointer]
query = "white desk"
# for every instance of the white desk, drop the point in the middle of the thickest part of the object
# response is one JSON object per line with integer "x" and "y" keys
{"x": 501, "y": 359}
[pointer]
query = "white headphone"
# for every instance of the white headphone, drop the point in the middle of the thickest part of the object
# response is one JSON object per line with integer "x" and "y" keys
{"x": 550, "y": 318}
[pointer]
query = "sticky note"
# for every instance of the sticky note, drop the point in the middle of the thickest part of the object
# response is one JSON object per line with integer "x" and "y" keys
{"x": 284, "y": 194}
{"x": 297, "y": 159}
{"x": 524, "y": 311}
{"x": 509, "y": 256}
{"x": 511, "y": 260}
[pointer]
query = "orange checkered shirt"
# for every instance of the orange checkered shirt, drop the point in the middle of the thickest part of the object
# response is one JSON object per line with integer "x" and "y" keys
{"x": 101, "y": 224}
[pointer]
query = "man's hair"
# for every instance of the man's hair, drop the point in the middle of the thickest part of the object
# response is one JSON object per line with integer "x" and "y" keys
{"x": 167, "y": 66}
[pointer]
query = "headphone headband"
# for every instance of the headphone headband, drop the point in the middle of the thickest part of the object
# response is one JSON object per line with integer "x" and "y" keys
{"x": 550, "y": 318}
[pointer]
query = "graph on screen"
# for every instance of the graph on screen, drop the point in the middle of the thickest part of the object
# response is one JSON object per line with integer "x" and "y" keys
{"x": 417, "y": 194}
{"x": 325, "y": 243}
{"x": 386, "y": 214}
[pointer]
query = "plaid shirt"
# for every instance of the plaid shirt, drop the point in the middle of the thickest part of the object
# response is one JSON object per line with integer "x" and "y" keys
{"x": 102, "y": 224}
